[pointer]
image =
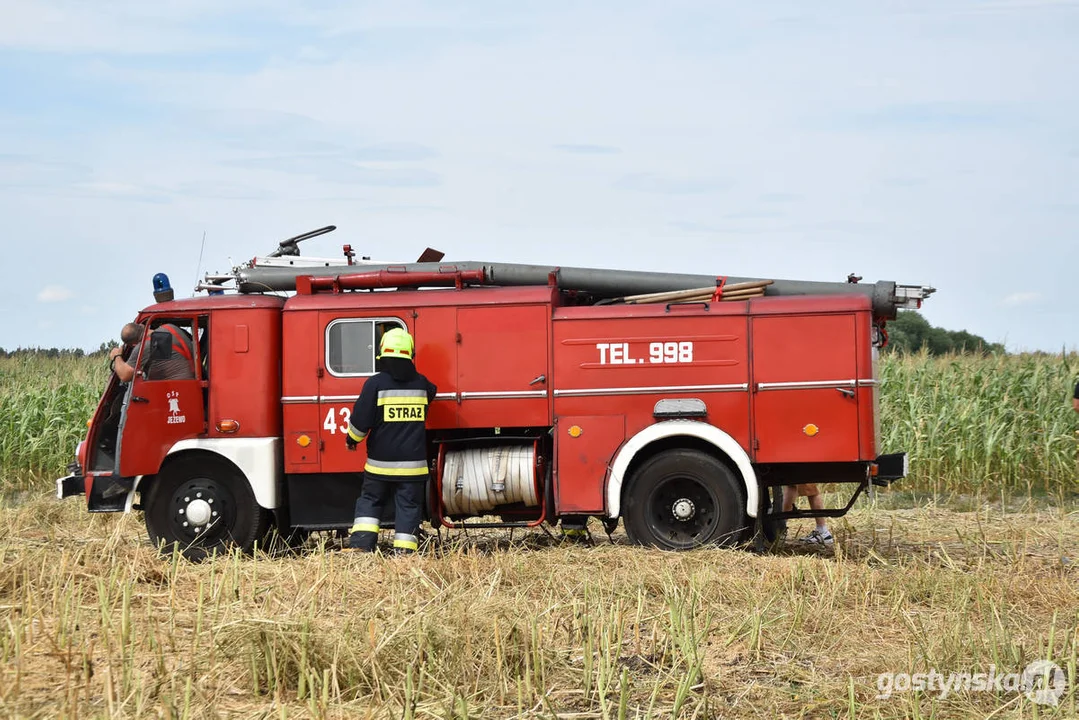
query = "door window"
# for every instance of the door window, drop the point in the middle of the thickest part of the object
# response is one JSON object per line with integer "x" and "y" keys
{"x": 351, "y": 345}
{"x": 168, "y": 351}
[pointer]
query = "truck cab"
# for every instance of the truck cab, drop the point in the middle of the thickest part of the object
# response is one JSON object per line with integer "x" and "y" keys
{"x": 149, "y": 432}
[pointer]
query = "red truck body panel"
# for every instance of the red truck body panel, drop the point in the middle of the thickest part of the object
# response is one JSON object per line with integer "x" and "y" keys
{"x": 813, "y": 381}
{"x": 245, "y": 372}
{"x": 618, "y": 362}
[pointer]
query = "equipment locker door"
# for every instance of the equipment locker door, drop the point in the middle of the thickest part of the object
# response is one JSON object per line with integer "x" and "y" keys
{"x": 502, "y": 366}
{"x": 436, "y": 358}
{"x": 805, "y": 386}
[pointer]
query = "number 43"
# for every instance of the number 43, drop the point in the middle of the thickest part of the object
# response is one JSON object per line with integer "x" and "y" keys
{"x": 331, "y": 420}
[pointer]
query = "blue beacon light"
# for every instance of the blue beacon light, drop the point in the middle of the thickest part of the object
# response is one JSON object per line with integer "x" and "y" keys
{"x": 163, "y": 291}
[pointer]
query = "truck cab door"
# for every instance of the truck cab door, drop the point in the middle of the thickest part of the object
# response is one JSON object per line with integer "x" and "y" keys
{"x": 157, "y": 415}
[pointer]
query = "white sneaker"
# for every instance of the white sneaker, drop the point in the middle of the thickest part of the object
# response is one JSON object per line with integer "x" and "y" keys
{"x": 818, "y": 538}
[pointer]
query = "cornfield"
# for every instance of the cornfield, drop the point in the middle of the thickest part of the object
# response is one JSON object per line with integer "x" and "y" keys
{"x": 977, "y": 426}
{"x": 982, "y": 426}
{"x": 44, "y": 406}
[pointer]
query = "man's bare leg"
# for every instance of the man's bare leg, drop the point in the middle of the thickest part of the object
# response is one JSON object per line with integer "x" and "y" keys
{"x": 790, "y": 495}
{"x": 816, "y": 502}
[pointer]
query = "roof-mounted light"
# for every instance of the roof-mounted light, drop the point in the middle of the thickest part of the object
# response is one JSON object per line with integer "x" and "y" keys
{"x": 162, "y": 289}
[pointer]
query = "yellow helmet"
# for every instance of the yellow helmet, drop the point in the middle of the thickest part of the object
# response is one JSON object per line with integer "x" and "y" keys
{"x": 396, "y": 343}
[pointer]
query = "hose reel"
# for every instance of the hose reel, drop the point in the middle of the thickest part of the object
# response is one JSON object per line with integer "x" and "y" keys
{"x": 478, "y": 479}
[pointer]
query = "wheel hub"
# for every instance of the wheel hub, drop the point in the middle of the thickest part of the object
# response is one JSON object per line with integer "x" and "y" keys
{"x": 198, "y": 512}
{"x": 683, "y": 509}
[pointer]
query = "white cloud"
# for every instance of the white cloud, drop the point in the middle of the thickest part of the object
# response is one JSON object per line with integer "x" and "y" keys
{"x": 54, "y": 293}
{"x": 1022, "y": 298}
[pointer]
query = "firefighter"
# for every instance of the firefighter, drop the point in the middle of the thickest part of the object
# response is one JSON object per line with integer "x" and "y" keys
{"x": 391, "y": 415}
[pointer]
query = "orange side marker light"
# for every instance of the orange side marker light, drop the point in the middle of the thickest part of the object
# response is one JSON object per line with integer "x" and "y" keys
{"x": 227, "y": 426}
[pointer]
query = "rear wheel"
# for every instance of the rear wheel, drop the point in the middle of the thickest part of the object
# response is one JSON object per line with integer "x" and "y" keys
{"x": 203, "y": 505}
{"x": 682, "y": 499}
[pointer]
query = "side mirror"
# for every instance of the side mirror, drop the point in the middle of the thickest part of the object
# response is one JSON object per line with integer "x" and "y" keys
{"x": 160, "y": 345}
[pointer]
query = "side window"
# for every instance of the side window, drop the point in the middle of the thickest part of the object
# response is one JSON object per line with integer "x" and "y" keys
{"x": 351, "y": 345}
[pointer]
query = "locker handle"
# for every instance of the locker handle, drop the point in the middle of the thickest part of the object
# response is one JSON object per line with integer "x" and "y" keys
{"x": 846, "y": 391}
{"x": 685, "y": 304}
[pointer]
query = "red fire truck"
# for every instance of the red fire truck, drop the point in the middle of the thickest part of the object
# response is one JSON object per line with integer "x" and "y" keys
{"x": 561, "y": 398}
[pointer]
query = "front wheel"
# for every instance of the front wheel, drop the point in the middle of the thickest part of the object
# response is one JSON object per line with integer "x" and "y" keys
{"x": 682, "y": 499}
{"x": 202, "y": 505}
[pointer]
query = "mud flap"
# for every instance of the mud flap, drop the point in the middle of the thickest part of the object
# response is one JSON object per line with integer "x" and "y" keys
{"x": 109, "y": 493}
{"x": 890, "y": 468}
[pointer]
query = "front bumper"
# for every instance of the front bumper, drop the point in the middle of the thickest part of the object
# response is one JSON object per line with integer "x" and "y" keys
{"x": 69, "y": 485}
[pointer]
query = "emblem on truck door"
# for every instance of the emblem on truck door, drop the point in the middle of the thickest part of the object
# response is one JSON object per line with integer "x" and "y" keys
{"x": 175, "y": 414}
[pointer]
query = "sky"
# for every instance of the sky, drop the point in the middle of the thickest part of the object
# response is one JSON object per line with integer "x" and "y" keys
{"x": 926, "y": 142}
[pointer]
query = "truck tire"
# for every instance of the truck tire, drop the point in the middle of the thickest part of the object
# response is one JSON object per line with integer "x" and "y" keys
{"x": 203, "y": 505}
{"x": 682, "y": 499}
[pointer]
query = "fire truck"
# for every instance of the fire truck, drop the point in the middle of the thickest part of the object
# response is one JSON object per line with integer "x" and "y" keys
{"x": 676, "y": 404}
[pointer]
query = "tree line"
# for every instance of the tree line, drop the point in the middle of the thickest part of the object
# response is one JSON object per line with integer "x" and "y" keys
{"x": 40, "y": 352}
{"x": 910, "y": 332}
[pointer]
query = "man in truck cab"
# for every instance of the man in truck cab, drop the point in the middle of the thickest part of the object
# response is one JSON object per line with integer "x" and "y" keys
{"x": 171, "y": 355}
{"x": 391, "y": 415}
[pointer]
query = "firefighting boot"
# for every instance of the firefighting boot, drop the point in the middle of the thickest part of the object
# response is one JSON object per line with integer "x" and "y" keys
{"x": 405, "y": 544}
{"x": 362, "y": 541}
{"x": 363, "y": 535}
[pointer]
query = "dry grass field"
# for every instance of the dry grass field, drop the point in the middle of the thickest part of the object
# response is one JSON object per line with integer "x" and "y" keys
{"x": 971, "y": 565}
{"x": 93, "y": 623}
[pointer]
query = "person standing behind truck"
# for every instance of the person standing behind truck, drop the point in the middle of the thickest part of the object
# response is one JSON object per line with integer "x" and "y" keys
{"x": 820, "y": 535}
{"x": 1075, "y": 398}
{"x": 391, "y": 415}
